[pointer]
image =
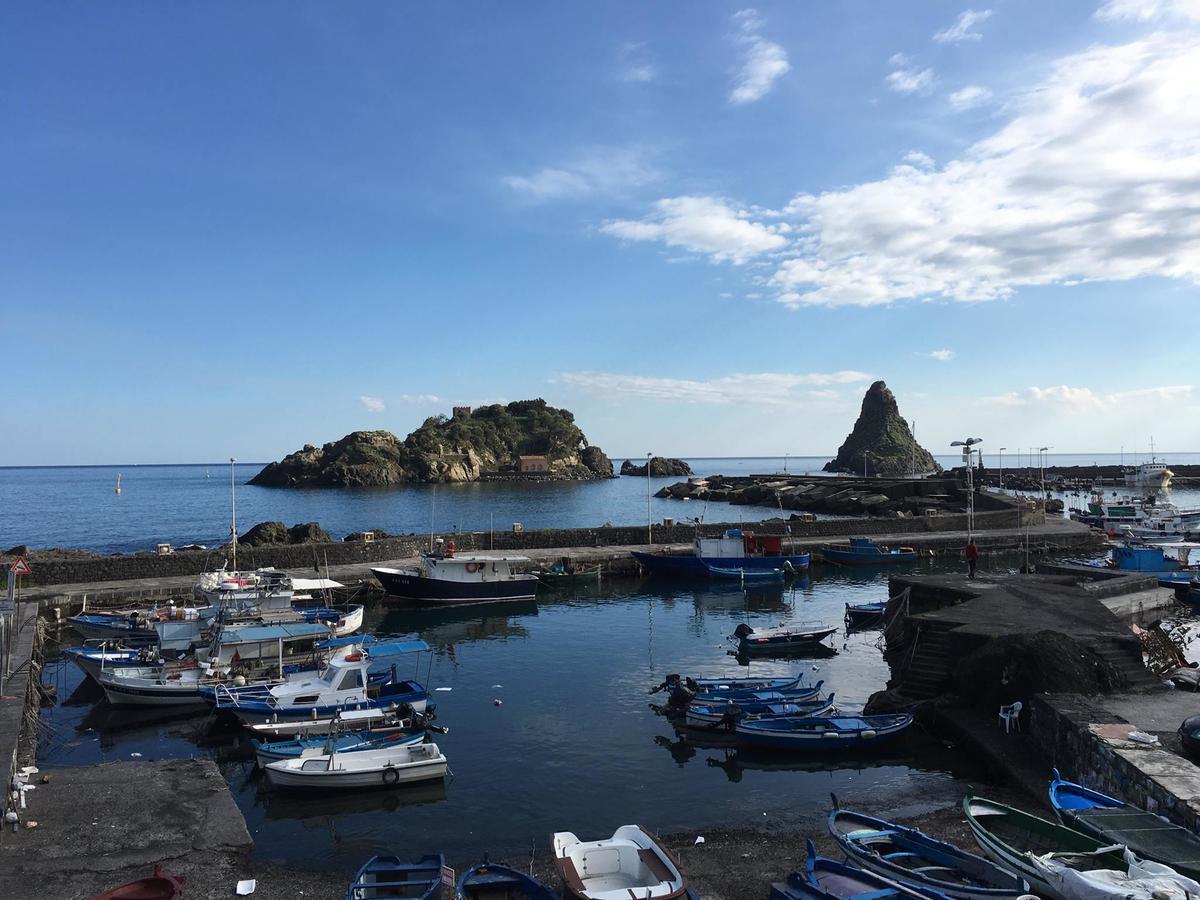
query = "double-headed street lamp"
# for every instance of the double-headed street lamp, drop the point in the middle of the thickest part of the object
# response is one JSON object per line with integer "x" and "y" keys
{"x": 967, "y": 452}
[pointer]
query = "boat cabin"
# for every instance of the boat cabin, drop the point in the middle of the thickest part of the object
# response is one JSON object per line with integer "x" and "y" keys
{"x": 738, "y": 544}
{"x": 471, "y": 568}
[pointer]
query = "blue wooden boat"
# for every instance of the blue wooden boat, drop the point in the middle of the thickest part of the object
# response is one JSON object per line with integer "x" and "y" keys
{"x": 822, "y": 733}
{"x": 862, "y": 551}
{"x": 98, "y": 626}
{"x": 861, "y": 615}
{"x": 826, "y": 879}
{"x": 912, "y": 857}
{"x": 765, "y": 641}
{"x": 490, "y": 881}
{"x": 735, "y": 549}
{"x": 271, "y": 751}
{"x": 758, "y": 576}
{"x": 1115, "y": 822}
{"x": 710, "y": 685}
{"x": 705, "y": 715}
{"x": 389, "y": 877}
{"x": 780, "y": 695}
{"x": 92, "y": 658}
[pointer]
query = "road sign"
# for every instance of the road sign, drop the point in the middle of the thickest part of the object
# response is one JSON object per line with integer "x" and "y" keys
{"x": 20, "y": 567}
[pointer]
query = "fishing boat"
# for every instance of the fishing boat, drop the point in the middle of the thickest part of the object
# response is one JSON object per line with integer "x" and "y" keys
{"x": 158, "y": 886}
{"x": 827, "y": 879}
{"x": 711, "y": 685}
{"x": 632, "y": 863}
{"x": 377, "y": 767}
{"x": 151, "y": 686}
{"x": 735, "y": 549}
{"x": 456, "y": 579}
{"x": 863, "y": 615}
{"x": 765, "y": 641}
{"x": 131, "y": 627}
{"x": 490, "y": 881}
{"x": 379, "y": 720}
{"x": 348, "y": 742}
{"x": 908, "y": 855}
{"x": 342, "y": 619}
{"x": 1116, "y": 822}
{"x": 822, "y": 733}
{"x": 728, "y": 712}
{"x": 1016, "y": 840}
{"x": 564, "y": 574}
{"x": 757, "y": 576}
{"x": 388, "y": 877}
{"x": 862, "y": 551}
{"x": 780, "y": 695}
{"x": 91, "y": 658}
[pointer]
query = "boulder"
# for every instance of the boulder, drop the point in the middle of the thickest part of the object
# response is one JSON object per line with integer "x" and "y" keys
{"x": 265, "y": 533}
{"x": 596, "y": 460}
{"x": 19, "y": 550}
{"x": 660, "y": 467}
{"x": 881, "y": 437}
{"x": 308, "y": 533}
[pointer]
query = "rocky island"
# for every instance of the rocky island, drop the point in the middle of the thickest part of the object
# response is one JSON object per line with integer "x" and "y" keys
{"x": 660, "y": 466}
{"x": 526, "y": 438}
{"x": 881, "y": 442}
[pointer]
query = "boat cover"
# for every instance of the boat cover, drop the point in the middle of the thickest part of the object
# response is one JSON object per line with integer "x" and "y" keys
{"x": 1145, "y": 833}
{"x": 1143, "y": 880}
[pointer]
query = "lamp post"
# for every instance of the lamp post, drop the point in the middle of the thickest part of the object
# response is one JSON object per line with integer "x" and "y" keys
{"x": 1002, "y": 449}
{"x": 649, "y": 512}
{"x": 785, "y": 460}
{"x": 967, "y": 453}
{"x": 866, "y": 456}
{"x": 1042, "y": 472}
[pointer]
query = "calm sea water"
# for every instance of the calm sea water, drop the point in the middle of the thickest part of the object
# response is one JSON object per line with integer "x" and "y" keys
{"x": 575, "y": 744}
{"x": 77, "y": 506}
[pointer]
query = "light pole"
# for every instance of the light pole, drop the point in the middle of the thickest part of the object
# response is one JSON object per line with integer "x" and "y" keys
{"x": 785, "y": 459}
{"x": 1042, "y": 472}
{"x": 967, "y": 453}
{"x": 1002, "y": 449}
{"x": 866, "y": 456}
{"x": 649, "y": 513}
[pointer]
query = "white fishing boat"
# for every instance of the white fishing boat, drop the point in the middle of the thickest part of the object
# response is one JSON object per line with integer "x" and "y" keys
{"x": 385, "y": 767}
{"x": 457, "y": 579}
{"x": 632, "y": 863}
{"x": 151, "y": 686}
{"x": 381, "y": 718}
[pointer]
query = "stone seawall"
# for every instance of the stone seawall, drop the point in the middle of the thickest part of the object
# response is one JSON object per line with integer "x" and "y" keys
{"x": 300, "y": 556}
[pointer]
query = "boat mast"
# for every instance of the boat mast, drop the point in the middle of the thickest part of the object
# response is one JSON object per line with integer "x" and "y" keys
{"x": 233, "y": 513}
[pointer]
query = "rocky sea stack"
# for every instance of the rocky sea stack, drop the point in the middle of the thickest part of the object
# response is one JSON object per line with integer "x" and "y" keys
{"x": 527, "y": 438}
{"x": 881, "y": 438}
{"x": 660, "y": 467}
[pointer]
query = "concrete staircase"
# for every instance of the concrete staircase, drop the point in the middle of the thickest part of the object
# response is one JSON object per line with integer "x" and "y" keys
{"x": 927, "y": 673}
{"x": 1126, "y": 657}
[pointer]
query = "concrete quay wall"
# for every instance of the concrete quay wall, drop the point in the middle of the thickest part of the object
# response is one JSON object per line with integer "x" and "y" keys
{"x": 303, "y": 556}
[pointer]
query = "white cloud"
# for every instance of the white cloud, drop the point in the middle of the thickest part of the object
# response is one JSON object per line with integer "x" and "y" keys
{"x": 970, "y": 96}
{"x": 420, "y": 398}
{"x": 762, "y": 388}
{"x": 961, "y": 29}
{"x": 634, "y": 64}
{"x": 905, "y": 77}
{"x": 596, "y": 170}
{"x": 1148, "y": 10}
{"x": 372, "y": 404}
{"x": 919, "y": 159}
{"x": 1076, "y": 400}
{"x": 765, "y": 61}
{"x": 940, "y": 355}
{"x": 703, "y": 225}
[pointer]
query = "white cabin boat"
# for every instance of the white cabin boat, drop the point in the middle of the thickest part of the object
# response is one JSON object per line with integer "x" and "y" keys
{"x": 457, "y": 579}
{"x": 383, "y": 768}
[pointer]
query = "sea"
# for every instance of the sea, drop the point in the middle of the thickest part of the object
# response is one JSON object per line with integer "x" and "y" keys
{"x": 77, "y": 506}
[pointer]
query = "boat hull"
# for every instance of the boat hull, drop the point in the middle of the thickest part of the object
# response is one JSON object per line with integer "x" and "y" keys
{"x": 694, "y": 566}
{"x": 287, "y": 774}
{"x": 782, "y": 643}
{"x": 808, "y": 734}
{"x": 853, "y": 558}
{"x": 268, "y": 753}
{"x": 410, "y": 585}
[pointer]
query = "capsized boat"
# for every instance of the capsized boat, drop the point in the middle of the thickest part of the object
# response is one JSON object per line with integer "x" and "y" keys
{"x": 827, "y": 879}
{"x": 388, "y": 877}
{"x": 862, "y": 551}
{"x": 382, "y": 767}
{"x": 735, "y": 549}
{"x": 458, "y": 579}
{"x": 1117, "y": 822}
{"x": 785, "y": 638}
{"x": 1017, "y": 841}
{"x": 491, "y": 881}
{"x": 908, "y": 855}
{"x": 727, "y": 713}
{"x": 632, "y": 863}
{"x": 805, "y": 733}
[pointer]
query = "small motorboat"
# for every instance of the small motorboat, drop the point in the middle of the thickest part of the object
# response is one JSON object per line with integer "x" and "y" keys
{"x": 1018, "y": 841}
{"x": 756, "y": 575}
{"x": 1117, "y": 822}
{"x": 862, "y": 551}
{"x": 91, "y": 658}
{"x": 395, "y": 718}
{"x": 384, "y": 767}
{"x": 158, "y": 886}
{"x": 827, "y": 879}
{"x": 455, "y": 579}
{"x": 344, "y": 618}
{"x": 910, "y": 856}
{"x": 495, "y": 882}
{"x": 734, "y": 549}
{"x": 727, "y": 713}
{"x": 864, "y": 615}
{"x": 781, "y": 695}
{"x": 720, "y": 685}
{"x": 632, "y": 863}
{"x": 350, "y": 742}
{"x": 814, "y": 733}
{"x": 388, "y": 877}
{"x": 565, "y": 575}
{"x": 765, "y": 641}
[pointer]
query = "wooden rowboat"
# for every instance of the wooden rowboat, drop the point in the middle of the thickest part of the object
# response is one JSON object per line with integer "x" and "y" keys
{"x": 827, "y": 879}
{"x": 387, "y": 876}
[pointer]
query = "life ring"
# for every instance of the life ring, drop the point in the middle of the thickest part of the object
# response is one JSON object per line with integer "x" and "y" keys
{"x": 471, "y": 568}
{"x": 391, "y": 776}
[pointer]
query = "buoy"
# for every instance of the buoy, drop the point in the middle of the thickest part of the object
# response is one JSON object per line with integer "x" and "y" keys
{"x": 497, "y": 702}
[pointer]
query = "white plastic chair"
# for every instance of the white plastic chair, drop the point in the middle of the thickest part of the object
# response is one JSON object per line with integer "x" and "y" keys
{"x": 1010, "y": 717}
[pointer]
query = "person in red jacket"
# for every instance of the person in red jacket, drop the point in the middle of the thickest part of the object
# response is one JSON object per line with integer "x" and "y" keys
{"x": 972, "y": 554}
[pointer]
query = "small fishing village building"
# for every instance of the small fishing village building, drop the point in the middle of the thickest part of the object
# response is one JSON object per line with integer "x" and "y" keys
{"x": 531, "y": 465}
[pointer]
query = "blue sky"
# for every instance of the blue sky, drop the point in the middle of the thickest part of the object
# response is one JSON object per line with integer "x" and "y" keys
{"x": 231, "y": 229}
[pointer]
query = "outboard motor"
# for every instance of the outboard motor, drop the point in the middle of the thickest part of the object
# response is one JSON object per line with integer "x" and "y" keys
{"x": 743, "y": 631}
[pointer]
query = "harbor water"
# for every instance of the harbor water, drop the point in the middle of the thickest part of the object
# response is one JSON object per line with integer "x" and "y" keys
{"x": 77, "y": 506}
{"x": 573, "y": 742}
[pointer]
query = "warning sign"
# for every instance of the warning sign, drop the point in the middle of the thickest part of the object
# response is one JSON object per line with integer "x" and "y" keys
{"x": 20, "y": 567}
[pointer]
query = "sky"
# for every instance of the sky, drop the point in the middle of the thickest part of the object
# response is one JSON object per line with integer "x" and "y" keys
{"x": 232, "y": 229}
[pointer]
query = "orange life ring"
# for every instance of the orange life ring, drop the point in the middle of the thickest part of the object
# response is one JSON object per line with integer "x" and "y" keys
{"x": 471, "y": 567}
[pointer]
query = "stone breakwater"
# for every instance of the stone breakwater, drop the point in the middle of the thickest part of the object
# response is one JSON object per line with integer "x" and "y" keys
{"x": 48, "y": 570}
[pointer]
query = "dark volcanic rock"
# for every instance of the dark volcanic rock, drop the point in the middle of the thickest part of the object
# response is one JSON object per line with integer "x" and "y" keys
{"x": 883, "y": 438}
{"x": 265, "y": 533}
{"x": 660, "y": 467}
{"x": 308, "y": 533}
{"x": 19, "y": 550}
{"x": 596, "y": 460}
{"x": 360, "y": 459}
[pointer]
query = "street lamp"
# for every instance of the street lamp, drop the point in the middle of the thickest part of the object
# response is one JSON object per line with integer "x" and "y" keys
{"x": 649, "y": 513}
{"x": 1002, "y": 449}
{"x": 785, "y": 459}
{"x": 1042, "y": 470}
{"x": 866, "y": 456}
{"x": 967, "y": 452}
